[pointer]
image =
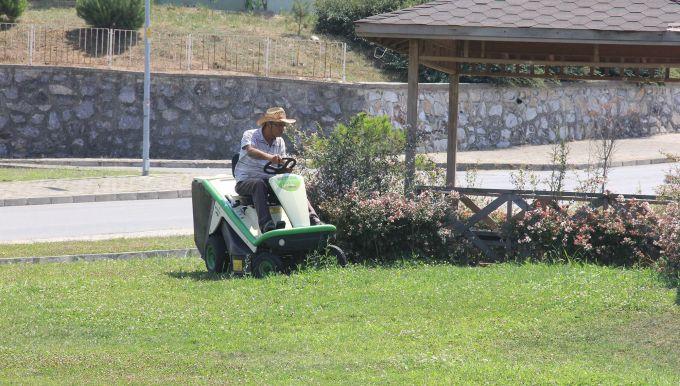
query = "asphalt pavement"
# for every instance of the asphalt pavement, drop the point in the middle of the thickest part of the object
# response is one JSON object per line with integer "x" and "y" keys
{"x": 98, "y": 220}
{"x": 95, "y": 220}
{"x": 625, "y": 180}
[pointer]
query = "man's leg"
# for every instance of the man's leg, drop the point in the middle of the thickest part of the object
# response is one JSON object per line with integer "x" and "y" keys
{"x": 257, "y": 188}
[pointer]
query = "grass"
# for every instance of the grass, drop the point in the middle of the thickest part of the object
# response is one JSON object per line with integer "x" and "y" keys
{"x": 98, "y": 246}
{"x": 185, "y": 20}
{"x": 167, "y": 321}
{"x": 32, "y": 174}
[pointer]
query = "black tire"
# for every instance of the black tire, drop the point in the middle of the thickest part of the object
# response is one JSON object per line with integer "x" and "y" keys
{"x": 216, "y": 254}
{"x": 338, "y": 253}
{"x": 265, "y": 264}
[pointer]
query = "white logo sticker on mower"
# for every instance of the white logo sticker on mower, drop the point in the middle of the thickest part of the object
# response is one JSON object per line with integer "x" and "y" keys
{"x": 290, "y": 183}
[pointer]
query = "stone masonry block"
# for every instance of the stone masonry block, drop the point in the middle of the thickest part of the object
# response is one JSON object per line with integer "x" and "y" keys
{"x": 168, "y": 194}
{"x": 61, "y": 200}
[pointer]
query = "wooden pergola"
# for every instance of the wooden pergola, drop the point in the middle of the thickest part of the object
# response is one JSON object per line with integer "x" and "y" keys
{"x": 568, "y": 39}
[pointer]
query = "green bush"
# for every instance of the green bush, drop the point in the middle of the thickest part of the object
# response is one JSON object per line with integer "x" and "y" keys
{"x": 12, "y": 9}
{"x": 119, "y": 14}
{"x": 337, "y": 17}
{"x": 365, "y": 154}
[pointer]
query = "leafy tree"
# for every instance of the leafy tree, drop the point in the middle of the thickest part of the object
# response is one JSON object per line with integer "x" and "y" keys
{"x": 301, "y": 13}
{"x": 337, "y": 17}
{"x": 252, "y": 5}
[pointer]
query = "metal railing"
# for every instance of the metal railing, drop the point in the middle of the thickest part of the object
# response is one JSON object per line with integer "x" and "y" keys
{"x": 114, "y": 48}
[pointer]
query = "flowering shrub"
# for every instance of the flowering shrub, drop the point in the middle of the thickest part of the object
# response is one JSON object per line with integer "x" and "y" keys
{"x": 669, "y": 242}
{"x": 389, "y": 226}
{"x": 622, "y": 234}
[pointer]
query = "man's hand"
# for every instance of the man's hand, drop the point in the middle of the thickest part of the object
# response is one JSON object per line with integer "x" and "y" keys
{"x": 259, "y": 154}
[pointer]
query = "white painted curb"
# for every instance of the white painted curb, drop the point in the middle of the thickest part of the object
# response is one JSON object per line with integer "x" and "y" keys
{"x": 172, "y": 253}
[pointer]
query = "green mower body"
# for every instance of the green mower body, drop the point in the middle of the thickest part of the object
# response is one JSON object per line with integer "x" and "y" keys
{"x": 228, "y": 237}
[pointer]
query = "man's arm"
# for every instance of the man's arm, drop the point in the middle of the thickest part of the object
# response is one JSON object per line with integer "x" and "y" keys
{"x": 259, "y": 154}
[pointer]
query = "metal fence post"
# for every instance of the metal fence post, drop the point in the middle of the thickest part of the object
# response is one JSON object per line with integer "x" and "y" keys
{"x": 110, "y": 48}
{"x": 31, "y": 44}
{"x": 190, "y": 50}
{"x": 266, "y": 57}
{"x": 344, "y": 62}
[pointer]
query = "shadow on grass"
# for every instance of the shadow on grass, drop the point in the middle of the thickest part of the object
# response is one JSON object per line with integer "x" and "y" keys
{"x": 200, "y": 276}
{"x": 6, "y": 25}
{"x": 94, "y": 42}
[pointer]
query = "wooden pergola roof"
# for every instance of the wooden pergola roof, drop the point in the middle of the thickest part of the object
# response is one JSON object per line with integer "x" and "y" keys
{"x": 574, "y": 39}
{"x": 537, "y": 38}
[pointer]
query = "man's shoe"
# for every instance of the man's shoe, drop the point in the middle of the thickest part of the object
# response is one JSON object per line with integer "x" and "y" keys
{"x": 280, "y": 224}
{"x": 269, "y": 226}
{"x": 315, "y": 220}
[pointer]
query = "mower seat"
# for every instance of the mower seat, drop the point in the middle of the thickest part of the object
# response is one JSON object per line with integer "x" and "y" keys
{"x": 248, "y": 200}
{"x": 234, "y": 161}
{"x": 243, "y": 200}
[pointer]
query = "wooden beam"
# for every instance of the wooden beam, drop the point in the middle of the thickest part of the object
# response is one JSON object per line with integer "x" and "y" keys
{"x": 411, "y": 115}
{"x": 475, "y": 209}
{"x": 452, "y": 138}
{"x": 566, "y": 77}
{"x": 459, "y": 59}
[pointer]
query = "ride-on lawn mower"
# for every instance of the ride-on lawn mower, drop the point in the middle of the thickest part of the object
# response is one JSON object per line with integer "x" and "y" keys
{"x": 227, "y": 233}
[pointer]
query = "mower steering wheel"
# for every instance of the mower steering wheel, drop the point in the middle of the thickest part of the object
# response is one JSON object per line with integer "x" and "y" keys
{"x": 288, "y": 163}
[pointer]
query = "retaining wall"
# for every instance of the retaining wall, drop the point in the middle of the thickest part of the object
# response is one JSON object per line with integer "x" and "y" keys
{"x": 74, "y": 112}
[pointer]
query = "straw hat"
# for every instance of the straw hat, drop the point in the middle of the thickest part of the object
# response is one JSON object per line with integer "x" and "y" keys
{"x": 275, "y": 114}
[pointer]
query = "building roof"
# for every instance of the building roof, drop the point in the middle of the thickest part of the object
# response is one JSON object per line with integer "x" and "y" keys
{"x": 612, "y": 20}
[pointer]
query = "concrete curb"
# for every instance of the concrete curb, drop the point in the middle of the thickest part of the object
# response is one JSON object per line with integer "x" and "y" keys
{"x": 91, "y": 162}
{"x": 127, "y": 196}
{"x": 179, "y": 253}
{"x": 463, "y": 166}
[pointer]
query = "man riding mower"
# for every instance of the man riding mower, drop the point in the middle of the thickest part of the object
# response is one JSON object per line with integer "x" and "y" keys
{"x": 267, "y": 221}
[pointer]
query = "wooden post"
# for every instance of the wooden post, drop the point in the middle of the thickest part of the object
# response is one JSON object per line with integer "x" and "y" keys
{"x": 452, "y": 138}
{"x": 411, "y": 115}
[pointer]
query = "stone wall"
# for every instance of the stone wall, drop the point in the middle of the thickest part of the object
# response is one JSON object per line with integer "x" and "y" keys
{"x": 72, "y": 112}
{"x": 498, "y": 117}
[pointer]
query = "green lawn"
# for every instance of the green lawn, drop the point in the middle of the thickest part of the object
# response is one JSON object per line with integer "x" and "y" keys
{"x": 166, "y": 321}
{"x": 98, "y": 246}
{"x": 31, "y": 174}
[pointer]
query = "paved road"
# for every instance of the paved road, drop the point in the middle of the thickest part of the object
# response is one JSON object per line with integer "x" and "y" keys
{"x": 164, "y": 217}
{"x": 631, "y": 179}
{"x": 95, "y": 220}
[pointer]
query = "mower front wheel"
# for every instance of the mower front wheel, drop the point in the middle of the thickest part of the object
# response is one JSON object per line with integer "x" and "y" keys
{"x": 216, "y": 254}
{"x": 338, "y": 253}
{"x": 265, "y": 264}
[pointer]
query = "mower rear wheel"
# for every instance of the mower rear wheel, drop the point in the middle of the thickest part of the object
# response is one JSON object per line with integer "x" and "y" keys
{"x": 216, "y": 254}
{"x": 265, "y": 264}
{"x": 338, "y": 253}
